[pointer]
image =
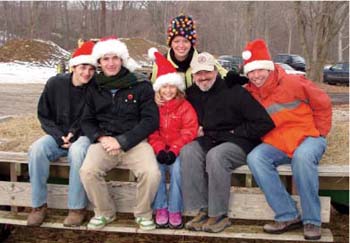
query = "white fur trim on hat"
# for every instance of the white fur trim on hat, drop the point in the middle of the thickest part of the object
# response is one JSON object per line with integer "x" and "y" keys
{"x": 170, "y": 78}
{"x": 151, "y": 52}
{"x": 82, "y": 59}
{"x": 259, "y": 64}
{"x": 113, "y": 46}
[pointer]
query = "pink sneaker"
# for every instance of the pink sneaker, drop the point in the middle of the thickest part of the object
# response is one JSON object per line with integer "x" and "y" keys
{"x": 175, "y": 220}
{"x": 162, "y": 217}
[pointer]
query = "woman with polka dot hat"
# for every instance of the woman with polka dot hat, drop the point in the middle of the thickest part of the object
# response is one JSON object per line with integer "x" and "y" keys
{"x": 182, "y": 39}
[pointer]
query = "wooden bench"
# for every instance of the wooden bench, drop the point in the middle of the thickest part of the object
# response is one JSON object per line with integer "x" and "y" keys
{"x": 246, "y": 203}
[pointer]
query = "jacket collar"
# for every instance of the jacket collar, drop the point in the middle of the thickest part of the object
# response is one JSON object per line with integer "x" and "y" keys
{"x": 270, "y": 85}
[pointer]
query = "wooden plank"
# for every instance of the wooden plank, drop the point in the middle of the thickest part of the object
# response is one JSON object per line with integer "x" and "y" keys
{"x": 241, "y": 206}
{"x": 324, "y": 169}
{"x": 128, "y": 226}
{"x": 22, "y": 158}
{"x": 13, "y": 177}
{"x": 334, "y": 183}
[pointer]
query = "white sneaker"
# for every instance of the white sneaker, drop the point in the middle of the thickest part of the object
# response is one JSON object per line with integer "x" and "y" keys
{"x": 145, "y": 224}
{"x": 98, "y": 222}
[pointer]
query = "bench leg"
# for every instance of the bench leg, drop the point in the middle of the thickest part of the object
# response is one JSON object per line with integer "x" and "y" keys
{"x": 291, "y": 186}
{"x": 13, "y": 177}
{"x": 249, "y": 180}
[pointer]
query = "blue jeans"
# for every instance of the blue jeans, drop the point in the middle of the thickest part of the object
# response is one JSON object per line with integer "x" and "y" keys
{"x": 174, "y": 204}
{"x": 263, "y": 161}
{"x": 45, "y": 150}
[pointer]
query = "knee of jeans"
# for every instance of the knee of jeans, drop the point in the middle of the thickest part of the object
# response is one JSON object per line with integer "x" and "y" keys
{"x": 303, "y": 163}
{"x": 77, "y": 152}
{"x": 254, "y": 159}
{"x": 38, "y": 151}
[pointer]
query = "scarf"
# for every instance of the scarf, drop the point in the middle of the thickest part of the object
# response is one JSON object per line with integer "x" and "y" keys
{"x": 123, "y": 79}
{"x": 185, "y": 64}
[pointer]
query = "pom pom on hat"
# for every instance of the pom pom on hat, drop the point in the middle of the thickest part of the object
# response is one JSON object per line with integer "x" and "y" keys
{"x": 151, "y": 53}
{"x": 166, "y": 74}
{"x": 184, "y": 26}
{"x": 112, "y": 45}
{"x": 256, "y": 56}
{"x": 82, "y": 55}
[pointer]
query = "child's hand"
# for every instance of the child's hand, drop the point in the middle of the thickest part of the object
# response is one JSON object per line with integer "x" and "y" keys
{"x": 171, "y": 157}
{"x": 162, "y": 157}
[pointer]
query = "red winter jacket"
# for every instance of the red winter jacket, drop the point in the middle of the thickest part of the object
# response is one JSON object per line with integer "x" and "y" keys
{"x": 296, "y": 105}
{"x": 178, "y": 126}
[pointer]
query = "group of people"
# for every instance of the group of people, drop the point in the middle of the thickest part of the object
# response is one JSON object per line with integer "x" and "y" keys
{"x": 193, "y": 120}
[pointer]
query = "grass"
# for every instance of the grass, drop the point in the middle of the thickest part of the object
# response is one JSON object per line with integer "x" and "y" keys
{"x": 18, "y": 133}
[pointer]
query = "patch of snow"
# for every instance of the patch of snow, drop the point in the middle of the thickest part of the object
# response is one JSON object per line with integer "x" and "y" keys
{"x": 24, "y": 72}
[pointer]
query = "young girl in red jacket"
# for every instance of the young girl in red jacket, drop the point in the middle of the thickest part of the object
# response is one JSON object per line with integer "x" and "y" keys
{"x": 178, "y": 126}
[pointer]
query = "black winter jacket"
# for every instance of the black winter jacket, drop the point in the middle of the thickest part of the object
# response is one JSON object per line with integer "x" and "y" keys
{"x": 130, "y": 115}
{"x": 54, "y": 108}
{"x": 229, "y": 114}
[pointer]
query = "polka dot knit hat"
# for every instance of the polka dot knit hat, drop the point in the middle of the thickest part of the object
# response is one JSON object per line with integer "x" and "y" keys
{"x": 184, "y": 26}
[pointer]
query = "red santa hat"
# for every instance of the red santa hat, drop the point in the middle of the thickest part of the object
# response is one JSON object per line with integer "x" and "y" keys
{"x": 82, "y": 55}
{"x": 166, "y": 74}
{"x": 257, "y": 56}
{"x": 112, "y": 45}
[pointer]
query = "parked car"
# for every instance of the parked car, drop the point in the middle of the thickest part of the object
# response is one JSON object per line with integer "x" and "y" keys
{"x": 230, "y": 62}
{"x": 295, "y": 61}
{"x": 338, "y": 73}
{"x": 290, "y": 70}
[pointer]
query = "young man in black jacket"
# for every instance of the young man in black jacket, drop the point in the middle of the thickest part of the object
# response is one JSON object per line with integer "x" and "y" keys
{"x": 119, "y": 116}
{"x": 231, "y": 124}
{"x": 60, "y": 108}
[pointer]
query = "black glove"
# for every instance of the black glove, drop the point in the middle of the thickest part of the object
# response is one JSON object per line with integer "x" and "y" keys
{"x": 233, "y": 78}
{"x": 171, "y": 157}
{"x": 162, "y": 157}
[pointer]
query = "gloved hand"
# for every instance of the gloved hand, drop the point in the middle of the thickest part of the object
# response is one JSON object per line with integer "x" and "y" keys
{"x": 232, "y": 78}
{"x": 162, "y": 157}
{"x": 171, "y": 157}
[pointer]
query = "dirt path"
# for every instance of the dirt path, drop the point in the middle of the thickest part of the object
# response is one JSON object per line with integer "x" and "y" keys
{"x": 19, "y": 99}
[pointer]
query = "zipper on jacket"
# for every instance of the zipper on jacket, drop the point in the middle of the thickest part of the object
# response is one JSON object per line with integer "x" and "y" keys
{"x": 166, "y": 123}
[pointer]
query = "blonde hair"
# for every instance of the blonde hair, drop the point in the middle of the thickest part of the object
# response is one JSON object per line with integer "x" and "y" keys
{"x": 179, "y": 94}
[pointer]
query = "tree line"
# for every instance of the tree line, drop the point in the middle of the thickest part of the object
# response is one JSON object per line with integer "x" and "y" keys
{"x": 317, "y": 30}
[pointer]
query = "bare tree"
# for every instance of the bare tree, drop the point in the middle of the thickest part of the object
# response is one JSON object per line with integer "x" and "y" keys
{"x": 290, "y": 22}
{"x": 103, "y": 18}
{"x": 318, "y": 24}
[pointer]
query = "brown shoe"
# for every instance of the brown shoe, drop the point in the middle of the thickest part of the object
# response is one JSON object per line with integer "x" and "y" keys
{"x": 37, "y": 216}
{"x": 75, "y": 218}
{"x": 312, "y": 232}
{"x": 198, "y": 221}
{"x": 281, "y": 227}
{"x": 216, "y": 224}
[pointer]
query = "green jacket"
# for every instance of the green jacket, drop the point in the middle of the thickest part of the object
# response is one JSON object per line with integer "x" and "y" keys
{"x": 188, "y": 75}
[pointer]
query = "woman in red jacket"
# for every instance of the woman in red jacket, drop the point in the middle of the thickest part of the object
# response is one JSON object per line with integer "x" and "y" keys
{"x": 178, "y": 126}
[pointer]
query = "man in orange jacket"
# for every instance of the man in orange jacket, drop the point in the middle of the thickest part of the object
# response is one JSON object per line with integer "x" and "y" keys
{"x": 302, "y": 115}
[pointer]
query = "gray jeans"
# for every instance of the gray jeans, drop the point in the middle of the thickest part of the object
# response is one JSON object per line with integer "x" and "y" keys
{"x": 206, "y": 178}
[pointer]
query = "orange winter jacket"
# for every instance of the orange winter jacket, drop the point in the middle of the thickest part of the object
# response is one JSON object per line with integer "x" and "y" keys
{"x": 297, "y": 106}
